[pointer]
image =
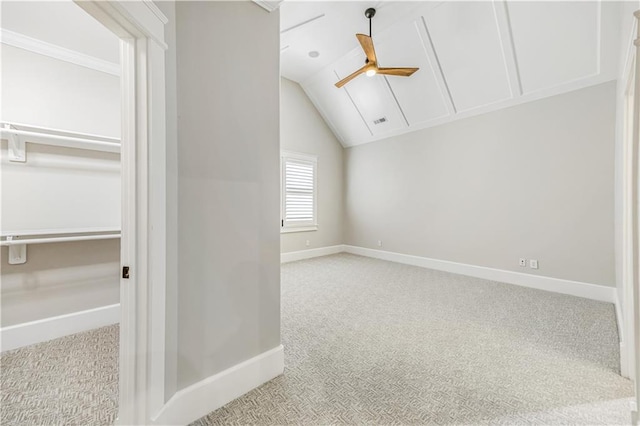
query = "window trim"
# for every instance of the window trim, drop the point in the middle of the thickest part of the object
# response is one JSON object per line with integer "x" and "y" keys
{"x": 306, "y": 227}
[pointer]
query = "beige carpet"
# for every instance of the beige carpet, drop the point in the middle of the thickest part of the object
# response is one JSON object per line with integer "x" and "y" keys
{"x": 374, "y": 342}
{"x": 67, "y": 381}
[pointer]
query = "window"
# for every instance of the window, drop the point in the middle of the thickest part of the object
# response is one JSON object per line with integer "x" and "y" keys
{"x": 298, "y": 194}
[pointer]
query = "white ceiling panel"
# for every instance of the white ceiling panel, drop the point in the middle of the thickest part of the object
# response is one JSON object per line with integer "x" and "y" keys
{"x": 467, "y": 42}
{"x": 474, "y": 57}
{"x": 371, "y": 96}
{"x": 329, "y": 28}
{"x": 555, "y": 42}
{"x": 336, "y": 107}
{"x": 419, "y": 96}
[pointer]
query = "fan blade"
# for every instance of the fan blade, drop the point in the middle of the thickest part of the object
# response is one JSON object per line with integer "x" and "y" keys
{"x": 351, "y": 76}
{"x": 367, "y": 45}
{"x": 404, "y": 72}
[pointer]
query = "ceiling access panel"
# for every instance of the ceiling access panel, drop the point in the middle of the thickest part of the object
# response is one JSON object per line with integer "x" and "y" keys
{"x": 371, "y": 96}
{"x": 336, "y": 108}
{"x": 420, "y": 96}
{"x": 555, "y": 42}
{"x": 468, "y": 47}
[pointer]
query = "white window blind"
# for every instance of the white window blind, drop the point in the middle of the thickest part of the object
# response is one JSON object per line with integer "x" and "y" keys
{"x": 298, "y": 191}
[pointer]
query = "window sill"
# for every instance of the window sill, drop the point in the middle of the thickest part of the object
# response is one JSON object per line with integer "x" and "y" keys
{"x": 300, "y": 229}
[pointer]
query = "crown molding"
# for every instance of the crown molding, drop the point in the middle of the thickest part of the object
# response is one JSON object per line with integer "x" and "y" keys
{"x": 22, "y": 41}
{"x": 156, "y": 11}
{"x": 268, "y": 5}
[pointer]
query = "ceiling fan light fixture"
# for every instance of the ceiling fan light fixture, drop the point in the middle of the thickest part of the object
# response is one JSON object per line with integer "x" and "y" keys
{"x": 371, "y": 67}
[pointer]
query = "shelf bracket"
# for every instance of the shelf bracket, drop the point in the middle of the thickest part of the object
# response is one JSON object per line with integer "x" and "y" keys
{"x": 17, "y": 253}
{"x": 17, "y": 147}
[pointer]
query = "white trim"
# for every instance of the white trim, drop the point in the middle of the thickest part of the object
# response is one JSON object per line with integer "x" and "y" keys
{"x": 312, "y": 158}
{"x": 619, "y": 317}
{"x": 208, "y": 395}
{"x": 40, "y": 47}
{"x": 632, "y": 177}
{"x": 557, "y": 285}
{"x": 140, "y": 27}
{"x": 29, "y": 333}
{"x": 299, "y": 229}
{"x": 292, "y": 256}
{"x": 268, "y": 5}
{"x": 624, "y": 359}
{"x": 156, "y": 11}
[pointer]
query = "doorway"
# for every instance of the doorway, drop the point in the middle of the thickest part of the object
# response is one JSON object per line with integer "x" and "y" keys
{"x": 139, "y": 27}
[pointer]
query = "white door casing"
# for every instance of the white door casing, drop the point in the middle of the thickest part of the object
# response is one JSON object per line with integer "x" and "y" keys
{"x": 140, "y": 26}
{"x": 633, "y": 179}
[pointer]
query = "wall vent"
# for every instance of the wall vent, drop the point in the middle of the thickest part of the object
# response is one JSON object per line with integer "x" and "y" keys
{"x": 380, "y": 120}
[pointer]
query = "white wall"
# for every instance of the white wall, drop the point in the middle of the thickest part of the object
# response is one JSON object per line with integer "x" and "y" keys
{"x": 532, "y": 181}
{"x": 303, "y": 130}
{"x": 42, "y": 91}
{"x": 68, "y": 277}
{"x": 60, "y": 279}
{"x": 228, "y": 186}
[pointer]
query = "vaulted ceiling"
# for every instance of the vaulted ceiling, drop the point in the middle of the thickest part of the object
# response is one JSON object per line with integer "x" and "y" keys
{"x": 474, "y": 57}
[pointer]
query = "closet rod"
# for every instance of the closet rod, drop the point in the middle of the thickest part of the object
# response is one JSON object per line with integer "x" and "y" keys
{"x": 58, "y": 140}
{"x": 46, "y": 240}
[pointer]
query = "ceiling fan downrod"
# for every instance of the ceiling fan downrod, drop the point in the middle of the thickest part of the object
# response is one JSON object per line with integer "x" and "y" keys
{"x": 370, "y": 13}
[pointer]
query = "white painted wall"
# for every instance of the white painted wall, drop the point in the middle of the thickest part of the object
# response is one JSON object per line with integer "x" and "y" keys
{"x": 303, "y": 130}
{"x": 228, "y": 186}
{"x": 532, "y": 181}
{"x": 66, "y": 277}
{"x": 42, "y": 91}
{"x": 60, "y": 279}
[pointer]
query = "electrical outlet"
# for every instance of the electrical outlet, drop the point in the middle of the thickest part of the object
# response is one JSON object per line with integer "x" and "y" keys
{"x": 533, "y": 264}
{"x": 523, "y": 262}
{"x": 307, "y": 243}
{"x": 379, "y": 243}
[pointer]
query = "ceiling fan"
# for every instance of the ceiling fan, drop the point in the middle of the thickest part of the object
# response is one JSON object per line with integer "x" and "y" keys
{"x": 371, "y": 67}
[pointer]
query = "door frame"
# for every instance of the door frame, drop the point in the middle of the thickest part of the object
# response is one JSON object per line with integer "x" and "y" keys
{"x": 140, "y": 26}
{"x": 631, "y": 213}
{"x": 634, "y": 219}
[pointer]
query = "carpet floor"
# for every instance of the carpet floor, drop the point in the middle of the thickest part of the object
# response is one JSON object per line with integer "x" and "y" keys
{"x": 374, "y": 342}
{"x": 68, "y": 381}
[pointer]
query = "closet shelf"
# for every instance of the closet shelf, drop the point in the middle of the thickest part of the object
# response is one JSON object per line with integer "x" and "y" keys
{"x": 19, "y": 134}
{"x": 17, "y": 242}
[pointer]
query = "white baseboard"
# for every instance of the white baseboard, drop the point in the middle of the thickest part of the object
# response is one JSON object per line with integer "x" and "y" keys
{"x": 557, "y": 285}
{"x": 624, "y": 365}
{"x": 308, "y": 254}
{"x": 208, "y": 395}
{"x": 29, "y": 333}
